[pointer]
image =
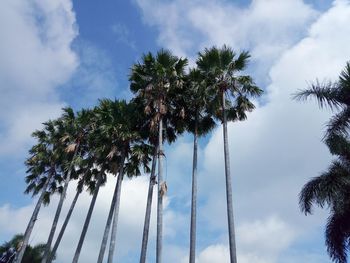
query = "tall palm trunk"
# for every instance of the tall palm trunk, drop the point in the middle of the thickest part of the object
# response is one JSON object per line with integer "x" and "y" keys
{"x": 87, "y": 220}
{"x": 65, "y": 223}
{"x": 148, "y": 209}
{"x": 110, "y": 217}
{"x": 194, "y": 198}
{"x": 231, "y": 224}
{"x": 33, "y": 219}
{"x": 107, "y": 227}
{"x": 160, "y": 195}
{"x": 116, "y": 211}
{"x": 59, "y": 209}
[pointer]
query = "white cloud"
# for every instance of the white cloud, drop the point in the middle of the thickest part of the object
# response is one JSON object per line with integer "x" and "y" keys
{"x": 36, "y": 57}
{"x": 265, "y": 27}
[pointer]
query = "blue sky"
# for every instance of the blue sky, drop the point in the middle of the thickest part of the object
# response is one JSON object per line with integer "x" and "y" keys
{"x": 72, "y": 53}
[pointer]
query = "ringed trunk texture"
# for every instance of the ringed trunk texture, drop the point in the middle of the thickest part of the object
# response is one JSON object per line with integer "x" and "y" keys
{"x": 160, "y": 195}
{"x": 194, "y": 200}
{"x": 59, "y": 209}
{"x": 231, "y": 224}
{"x": 115, "y": 212}
{"x": 32, "y": 220}
{"x": 65, "y": 223}
{"x": 148, "y": 209}
{"x": 87, "y": 220}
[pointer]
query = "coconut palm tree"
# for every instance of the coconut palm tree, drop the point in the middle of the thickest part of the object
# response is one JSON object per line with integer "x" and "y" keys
{"x": 196, "y": 100}
{"x": 154, "y": 79}
{"x": 221, "y": 68}
{"x": 332, "y": 189}
{"x": 43, "y": 176}
{"x": 124, "y": 144}
{"x": 335, "y": 95}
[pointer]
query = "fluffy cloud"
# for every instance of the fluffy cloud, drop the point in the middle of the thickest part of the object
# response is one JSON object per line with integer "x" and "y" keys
{"x": 36, "y": 57}
{"x": 265, "y": 27}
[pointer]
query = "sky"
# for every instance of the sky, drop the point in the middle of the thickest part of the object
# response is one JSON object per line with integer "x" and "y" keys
{"x": 62, "y": 52}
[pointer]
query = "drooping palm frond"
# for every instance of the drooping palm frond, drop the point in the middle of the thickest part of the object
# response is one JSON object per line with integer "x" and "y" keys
{"x": 324, "y": 189}
{"x": 338, "y": 235}
{"x": 326, "y": 94}
{"x": 339, "y": 123}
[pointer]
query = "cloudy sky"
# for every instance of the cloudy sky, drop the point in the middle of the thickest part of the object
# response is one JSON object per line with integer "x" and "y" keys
{"x": 61, "y": 52}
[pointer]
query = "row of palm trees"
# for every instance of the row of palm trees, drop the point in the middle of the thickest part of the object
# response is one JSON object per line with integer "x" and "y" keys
{"x": 118, "y": 138}
{"x": 332, "y": 188}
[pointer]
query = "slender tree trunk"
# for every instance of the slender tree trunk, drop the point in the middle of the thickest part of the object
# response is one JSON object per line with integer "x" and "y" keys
{"x": 160, "y": 194}
{"x": 148, "y": 209}
{"x": 109, "y": 222}
{"x": 32, "y": 220}
{"x": 65, "y": 223}
{"x": 87, "y": 220}
{"x": 59, "y": 209}
{"x": 107, "y": 227}
{"x": 194, "y": 199}
{"x": 231, "y": 224}
{"x": 116, "y": 212}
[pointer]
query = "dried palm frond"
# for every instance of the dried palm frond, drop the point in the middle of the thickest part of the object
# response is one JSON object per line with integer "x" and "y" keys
{"x": 64, "y": 138}
{"x": 71, "y": 147}
{"x": 163, "y": 188}
{"x": 112, "y": 153}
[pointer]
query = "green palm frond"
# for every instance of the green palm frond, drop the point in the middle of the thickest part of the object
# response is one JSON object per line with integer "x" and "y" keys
{"x": 337, "y": 235}
{"x": 339, "y": 123}
{"x": 324, "y": 189}
{"x": 326, "y": 94}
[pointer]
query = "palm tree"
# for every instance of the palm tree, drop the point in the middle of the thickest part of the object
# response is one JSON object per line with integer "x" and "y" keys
{"x": 71, "y": 129}
{"x": 124, "y": 144}
{"x": 43, "y": 175}
{"x": 335, "y": 95}
{"x": 332, "y": 189}
{"x": 154, "y": 80}
{"x": 221, "y": 66}
{"x": 98, "y": 165}
{"x": 199, "y": 122}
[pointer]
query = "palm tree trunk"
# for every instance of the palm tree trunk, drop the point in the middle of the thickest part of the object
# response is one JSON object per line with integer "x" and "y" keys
{"x": 32, "y": 220}
{"x": 87, "y": 220}
{"x": 60, "y": 235}
{"x": 231, "y": 224}
{"x": 160, "y": 195}
{"x": 148, "y": 209}
{"x": 107, "y": 228}
{"x": 194, "y": 199}
{"x": 59, "y": 209}
{"x": 110, "y": 217}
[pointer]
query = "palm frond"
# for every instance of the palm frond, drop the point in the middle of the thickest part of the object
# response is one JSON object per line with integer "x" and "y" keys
{"x": 339, "y": 123}
{"x": 326, "y": 94}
